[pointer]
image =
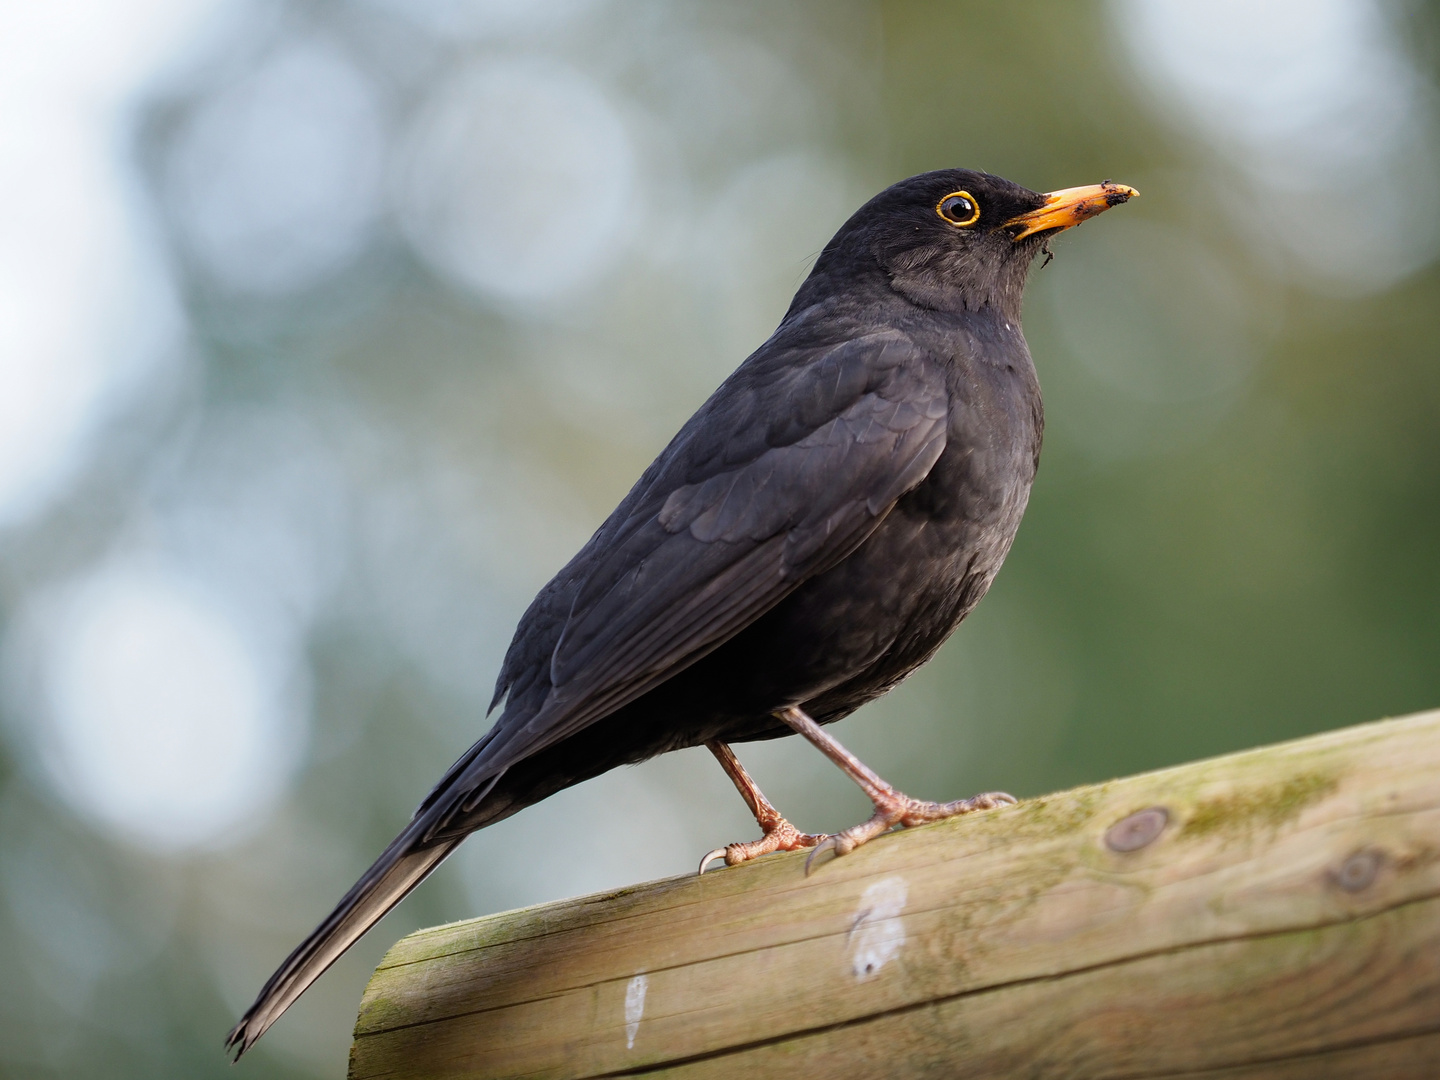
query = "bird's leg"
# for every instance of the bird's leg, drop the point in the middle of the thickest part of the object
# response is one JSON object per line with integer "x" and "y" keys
{"x": 778, "y": 834}
{"x": 891, "y": 807}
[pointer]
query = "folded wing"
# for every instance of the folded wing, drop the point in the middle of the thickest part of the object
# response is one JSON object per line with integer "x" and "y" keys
{"x": 787, "y": 469}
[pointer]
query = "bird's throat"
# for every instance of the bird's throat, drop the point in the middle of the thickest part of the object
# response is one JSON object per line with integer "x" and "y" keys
{"x": 940, "y": 283}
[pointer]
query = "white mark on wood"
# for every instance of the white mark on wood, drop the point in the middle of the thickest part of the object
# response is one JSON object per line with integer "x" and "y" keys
{"x": 634, "y": 1008}
{"x": 877, "y": 933}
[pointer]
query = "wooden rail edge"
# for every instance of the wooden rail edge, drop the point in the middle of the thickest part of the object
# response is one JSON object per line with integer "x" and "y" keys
{"x": 1273, "y": 913}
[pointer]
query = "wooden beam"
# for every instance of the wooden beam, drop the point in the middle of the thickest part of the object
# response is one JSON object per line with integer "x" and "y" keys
{"x": 1274, "y": 913}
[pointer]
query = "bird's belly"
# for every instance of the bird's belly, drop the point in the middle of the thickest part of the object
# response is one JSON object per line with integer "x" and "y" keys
{"x": 852, "y": 633}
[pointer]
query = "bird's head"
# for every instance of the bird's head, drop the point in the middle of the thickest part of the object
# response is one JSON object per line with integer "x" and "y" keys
{"x": 957, "y": 239}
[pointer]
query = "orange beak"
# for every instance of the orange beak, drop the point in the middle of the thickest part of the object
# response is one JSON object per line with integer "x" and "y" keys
{"x": 1071, "y": 206}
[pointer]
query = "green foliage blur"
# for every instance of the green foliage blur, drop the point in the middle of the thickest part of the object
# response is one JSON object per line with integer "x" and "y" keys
{"x": 1232, "y": 539}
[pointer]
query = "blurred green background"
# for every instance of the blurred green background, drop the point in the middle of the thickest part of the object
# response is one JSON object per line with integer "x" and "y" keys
{"x": 329, "y": 330}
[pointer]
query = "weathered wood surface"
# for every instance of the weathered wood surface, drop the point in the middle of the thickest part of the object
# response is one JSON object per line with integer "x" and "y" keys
{"x": 1284, "y": 922}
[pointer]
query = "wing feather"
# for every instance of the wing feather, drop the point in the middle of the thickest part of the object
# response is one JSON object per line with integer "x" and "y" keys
{"x": 785, "y": 471}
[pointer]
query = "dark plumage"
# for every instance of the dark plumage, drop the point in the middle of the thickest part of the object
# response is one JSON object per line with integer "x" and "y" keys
{"x": 810, "y": 536}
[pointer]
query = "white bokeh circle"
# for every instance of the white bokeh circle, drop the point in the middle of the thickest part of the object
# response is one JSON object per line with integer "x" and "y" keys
{"x": 276, "y": 180}
{"x": 478, "y": 19}
{"x": 518, "y": 180}
{"x": 88, "y": 315}
{"x": 152, "y": 710}
{"x": 1323, "y": 113}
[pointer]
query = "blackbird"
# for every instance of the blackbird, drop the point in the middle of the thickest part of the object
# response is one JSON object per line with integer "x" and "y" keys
{"x": 809, "y": 538}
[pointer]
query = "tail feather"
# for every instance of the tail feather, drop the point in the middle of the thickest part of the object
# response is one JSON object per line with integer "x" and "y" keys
{"x": 385, "y": 884}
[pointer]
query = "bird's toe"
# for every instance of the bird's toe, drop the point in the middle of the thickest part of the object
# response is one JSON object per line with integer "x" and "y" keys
{"x": 918, "y": 811}
{"x": 782, "y": 836}
{"x": 898, "y": 809}
{"x": 847, "y": 840}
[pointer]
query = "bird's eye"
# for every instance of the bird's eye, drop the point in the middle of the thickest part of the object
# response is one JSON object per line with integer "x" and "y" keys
{"x": 959, "y": 208}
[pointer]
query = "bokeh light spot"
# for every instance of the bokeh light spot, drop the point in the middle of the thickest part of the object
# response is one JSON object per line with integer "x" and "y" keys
{"x": 275, "y": 180}
{"x": 519, "y": 180}
{"x": 1316, "y": 104}
{"x": 87, "y": 313}
{"x": 474, "y": 19}
{"x": 160, "y": 719}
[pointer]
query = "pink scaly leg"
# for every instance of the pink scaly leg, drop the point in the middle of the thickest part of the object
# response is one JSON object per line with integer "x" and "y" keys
{"x": 891, "y": 807}
{"x": 778, "y": 834}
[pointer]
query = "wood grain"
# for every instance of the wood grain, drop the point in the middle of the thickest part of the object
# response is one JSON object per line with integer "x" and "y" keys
{"x": 1283, "y": 920}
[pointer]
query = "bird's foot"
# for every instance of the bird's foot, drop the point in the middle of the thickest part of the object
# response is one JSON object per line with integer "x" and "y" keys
{"x": 779, "y": 836}
{"x": 895, "y": 808}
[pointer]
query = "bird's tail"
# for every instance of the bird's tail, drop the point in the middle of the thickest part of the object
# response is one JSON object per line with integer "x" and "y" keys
{"x": 403, "y": 866}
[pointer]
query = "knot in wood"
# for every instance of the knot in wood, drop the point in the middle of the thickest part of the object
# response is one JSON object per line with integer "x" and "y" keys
{"x": 1359, "y": 870}
{"x": 1136, "y": 831}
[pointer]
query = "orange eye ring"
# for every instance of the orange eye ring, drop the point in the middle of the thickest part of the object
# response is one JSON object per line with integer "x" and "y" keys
{"x": 959, "y": 208}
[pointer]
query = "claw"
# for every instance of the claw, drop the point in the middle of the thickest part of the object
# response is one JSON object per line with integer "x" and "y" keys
{"x": 828, "y": 843}
{"x": 779, "y": 835}
{"x": 718, "y": 853}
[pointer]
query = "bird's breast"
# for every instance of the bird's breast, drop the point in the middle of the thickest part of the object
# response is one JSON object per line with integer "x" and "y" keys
{"x": 862, "y": 626}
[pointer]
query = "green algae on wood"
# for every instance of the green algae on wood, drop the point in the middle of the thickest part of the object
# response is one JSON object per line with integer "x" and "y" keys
{"x": 1265, "y": 806}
